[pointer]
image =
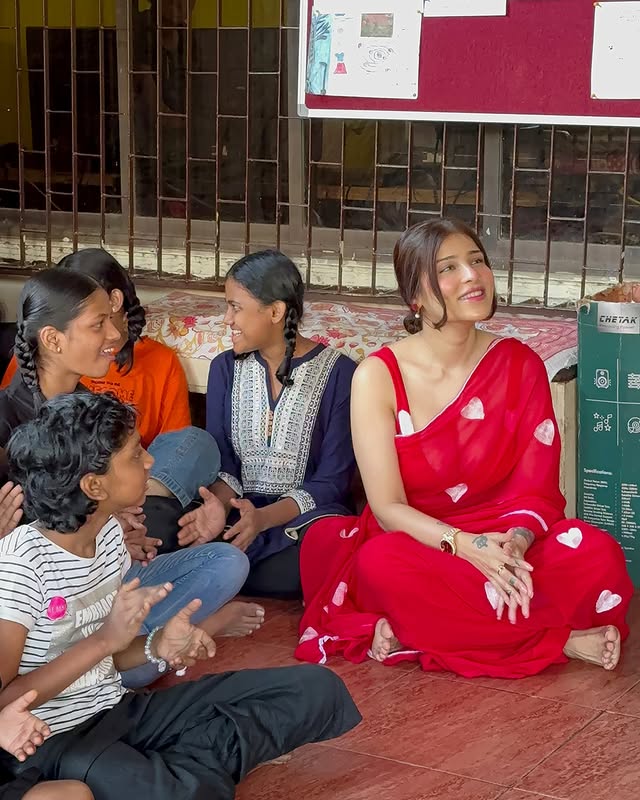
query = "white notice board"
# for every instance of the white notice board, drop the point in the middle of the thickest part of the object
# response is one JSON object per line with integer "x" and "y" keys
{"x": 615, "y": 63}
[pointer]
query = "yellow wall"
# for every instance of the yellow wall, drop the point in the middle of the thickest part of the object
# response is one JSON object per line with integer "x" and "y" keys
{"x": 234, "y": 13}
{"x": 59, "y": 16}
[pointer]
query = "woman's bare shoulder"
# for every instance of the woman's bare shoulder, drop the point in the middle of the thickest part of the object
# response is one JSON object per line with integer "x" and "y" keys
{"x": 372, "y": 374}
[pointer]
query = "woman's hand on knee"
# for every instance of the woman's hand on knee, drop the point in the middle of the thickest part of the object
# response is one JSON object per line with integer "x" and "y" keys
{"x": 516, "y": 548}
{"x": 487, "y": 554}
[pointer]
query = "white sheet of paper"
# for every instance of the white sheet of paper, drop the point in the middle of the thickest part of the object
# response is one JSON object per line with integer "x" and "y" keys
{"x": 615, "y": 63}
{"x": 374, "y": 48}
{"x": 465, "y": 8}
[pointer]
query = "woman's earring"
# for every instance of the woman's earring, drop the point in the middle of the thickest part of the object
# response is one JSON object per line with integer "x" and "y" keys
{"x": 58, "y": 349}
{"x": 417, "y": 315}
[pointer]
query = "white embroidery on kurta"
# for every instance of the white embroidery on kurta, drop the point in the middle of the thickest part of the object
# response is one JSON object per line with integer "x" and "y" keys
{"x": 607, "y": 601}
{"x": 232, "y": 482}
{"x": 545, "y": 433}
{"x": 277, "y": 466}
{"x": 474, "y": 409}
{"x": 571, "y": 538}
{"x": 456, "y": 492}
{"x": 304, "y": 500}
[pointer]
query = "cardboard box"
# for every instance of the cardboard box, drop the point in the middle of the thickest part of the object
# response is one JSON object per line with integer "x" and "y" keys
{"x": 609, "y": 416}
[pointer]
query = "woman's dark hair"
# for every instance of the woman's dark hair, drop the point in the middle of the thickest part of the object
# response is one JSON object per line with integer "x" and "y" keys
{"x": 73, "y": 435}
{"x": 104, "y": 269}
{"x": 270, "y": 276}
{"x": 414, "y": 257}
{"x": 52, "y": 297}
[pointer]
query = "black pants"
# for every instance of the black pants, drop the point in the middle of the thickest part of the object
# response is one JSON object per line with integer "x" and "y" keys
{"x": 196, "y": 741}
{"x": 16, "y": 788}
{"x": 162, "y": 515}
{"x": 279, "y": 575}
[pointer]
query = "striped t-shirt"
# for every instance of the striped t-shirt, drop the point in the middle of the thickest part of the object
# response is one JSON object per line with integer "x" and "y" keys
{"x": 61, "y": 598}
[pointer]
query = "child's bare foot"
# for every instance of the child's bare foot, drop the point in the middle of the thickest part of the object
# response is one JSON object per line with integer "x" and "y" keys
{"x": 599, "y": 646}
{"x": 384, "y": 641}
{"x": 234, "y": 619}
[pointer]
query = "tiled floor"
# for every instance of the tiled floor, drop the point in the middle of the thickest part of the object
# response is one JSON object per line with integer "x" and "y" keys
{"x": 572, "y": 733}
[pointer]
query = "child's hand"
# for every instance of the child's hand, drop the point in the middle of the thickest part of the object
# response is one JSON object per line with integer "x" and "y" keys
{"x": 20, "y": 732}
{"x": 129, "y": 611}
{"x": 180, "y": 643}
{"x": 141, "y": 547}
{"x": 205, "y": 523}
{"x": 11, "y": 500}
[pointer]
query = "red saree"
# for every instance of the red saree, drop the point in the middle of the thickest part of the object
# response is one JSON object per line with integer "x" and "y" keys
{"x": 488, "y": 462}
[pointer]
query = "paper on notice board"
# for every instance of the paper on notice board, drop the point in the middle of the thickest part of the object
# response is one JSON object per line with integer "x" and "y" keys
{"x": 615, "y": 63}
{"x": 465, "y": 8}
{"x": 364, "y": 48}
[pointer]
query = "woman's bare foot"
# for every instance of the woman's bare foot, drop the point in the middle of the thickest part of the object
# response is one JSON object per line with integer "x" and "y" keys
{"x": 384, "y": 641}
{"x": 234, "y": 619}
{"x": 284, "y": 759}
{"x": 599, "y": 646}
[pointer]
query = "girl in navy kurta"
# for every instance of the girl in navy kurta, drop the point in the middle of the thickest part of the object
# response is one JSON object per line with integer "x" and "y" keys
{"x": 278, "y": 407}
{"x": 296, "y": 446}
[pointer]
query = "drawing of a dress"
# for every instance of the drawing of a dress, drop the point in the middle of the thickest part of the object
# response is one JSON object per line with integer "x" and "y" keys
{"x": 319, "y": 53}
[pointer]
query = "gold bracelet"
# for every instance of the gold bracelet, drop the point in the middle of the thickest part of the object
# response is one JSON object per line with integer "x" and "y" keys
{"x": 448, "y": 541}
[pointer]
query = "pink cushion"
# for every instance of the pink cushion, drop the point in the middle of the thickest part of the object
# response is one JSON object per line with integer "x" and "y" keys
{"x": 193, "y": 326}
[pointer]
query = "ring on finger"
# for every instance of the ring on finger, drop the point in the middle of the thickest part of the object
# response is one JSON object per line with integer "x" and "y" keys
{"x": 501, "y": 569}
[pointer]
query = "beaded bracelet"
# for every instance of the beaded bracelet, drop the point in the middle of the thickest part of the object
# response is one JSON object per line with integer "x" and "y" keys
{"x": 162, "y": 664}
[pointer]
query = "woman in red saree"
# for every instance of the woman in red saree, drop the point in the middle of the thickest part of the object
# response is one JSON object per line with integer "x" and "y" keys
{"x": 463, "y": 559}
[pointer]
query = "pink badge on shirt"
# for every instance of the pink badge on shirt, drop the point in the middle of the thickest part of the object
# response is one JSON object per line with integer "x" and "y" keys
{"x": 57, "y": 608}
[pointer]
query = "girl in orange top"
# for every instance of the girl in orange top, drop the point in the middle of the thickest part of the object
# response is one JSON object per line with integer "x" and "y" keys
{"x": 145, "y": 374}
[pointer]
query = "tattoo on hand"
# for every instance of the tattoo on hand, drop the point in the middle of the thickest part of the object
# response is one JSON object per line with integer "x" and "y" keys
{"x": 526, "y": 534}
{"x": 512, "y": 581}
{"x": 481, "y": 542}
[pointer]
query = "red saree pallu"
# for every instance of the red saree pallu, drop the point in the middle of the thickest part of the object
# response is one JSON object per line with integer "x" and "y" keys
{"x": 488, "y": 462}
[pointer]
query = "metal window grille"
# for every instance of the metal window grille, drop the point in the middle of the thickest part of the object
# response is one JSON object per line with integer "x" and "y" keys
{"x": 165, "y": 131}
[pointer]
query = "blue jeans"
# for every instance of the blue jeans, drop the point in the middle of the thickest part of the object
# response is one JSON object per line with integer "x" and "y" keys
{"x": 214, "y": 573}
{"x": 185, "y": 460}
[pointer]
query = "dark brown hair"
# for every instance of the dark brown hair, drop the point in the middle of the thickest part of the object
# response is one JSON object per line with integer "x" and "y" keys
{"x": 414, "y": 256}
{"x": 53, "y": 297}
{"x": 270, "y": 276}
